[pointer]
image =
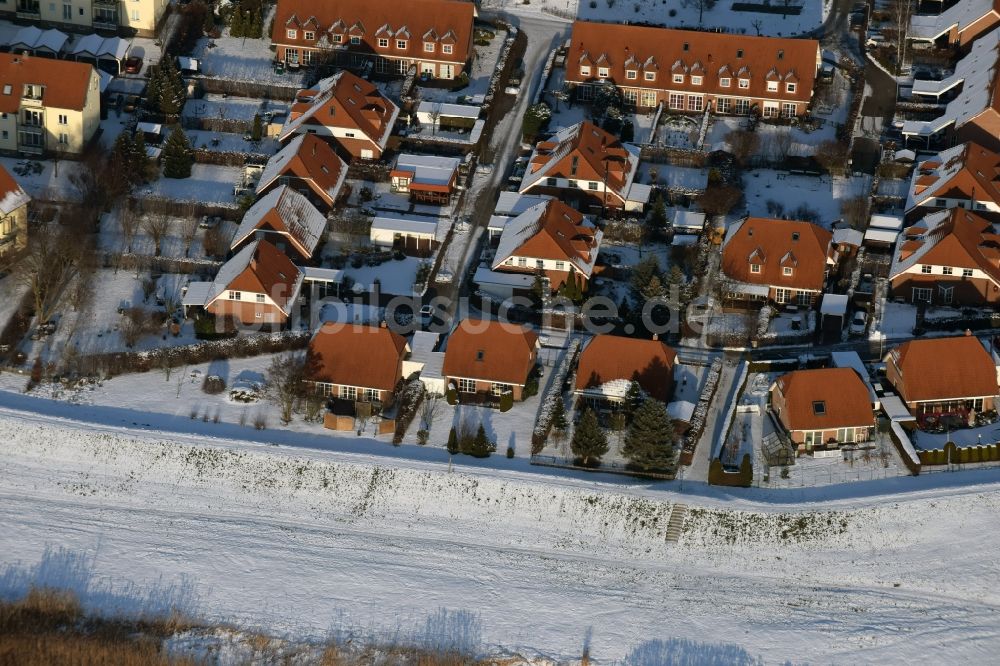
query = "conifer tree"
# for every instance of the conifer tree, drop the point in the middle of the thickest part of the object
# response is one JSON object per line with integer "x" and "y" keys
{"x": 177, "y": 155}
{"x": 452, "y": 442}
{"x": 589, "y": 441}
{"x": 257, "y": 130}
{"x": 559, "y": 421}
{"x": 649, "y": 442}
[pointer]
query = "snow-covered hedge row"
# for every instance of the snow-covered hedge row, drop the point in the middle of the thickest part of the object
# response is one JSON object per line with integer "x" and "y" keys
{"x": 409, "y": 402}
{"x": 500, "y": 71}
{"x": 704, "y": 401}
{"x": 543, "y": 424}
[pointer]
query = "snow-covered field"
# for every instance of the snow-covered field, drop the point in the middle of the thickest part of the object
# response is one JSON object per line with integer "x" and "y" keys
{"x": 821, "y": 195}
{"x": 308, "y": 542}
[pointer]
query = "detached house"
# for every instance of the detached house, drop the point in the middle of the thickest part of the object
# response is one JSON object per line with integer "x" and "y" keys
{"x": 490, "y": 357}
{"x": 782, "y": 261}
{"x": 427, "y": 179}
{"x": 134, "y": 17}
{"x": 588, "y": 168}
{"x": 258, "y": 286}
{"x": 824, "y": 407}
{"x": 432, "y": 36}
{"x": 609, "y": 364}
{"x": 966, "y": 176}
{"x": 943, "y": 376}
{"x": 950, "y": 257}
{"x": 552, "y": 239}
{"x": 309, "y": 166}
{"x": 348, "y": 109}
{"x": 287, "y": 220}
{"x": 353, "y": 362}
{"x": 691, "y": 72}
{"x": 47, "y": 105}
{"x": 13, "y": 215}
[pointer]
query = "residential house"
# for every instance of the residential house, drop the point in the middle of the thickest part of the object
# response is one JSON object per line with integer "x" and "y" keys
{"x": 348, "y": 109}
{"x": 970, "y": 99}
{"x": 823, "y": 408}
{"x": 588, "y": 168}
{"x": 783, "y": 261}
{"x": 356, "y": 363}
{"x": 413, "y": 236}
{"x": 490, "y": 357}
{"x": 959, "y": 24}
{"x": 609, "y": 364}
{"x": 550, "y": 239}
{"x": 950, "y": 257}
{"x": 258, "y": 286}
{"x": 287, "y": 220}
{"x": 47, "y": 105}
{"x": 427, "y": 179}
{"x": 966, "y": 176}
{"x": 309, "y": 166}
{"x": 690, "y": 72}
{"x": 13, "y": 215}
{"x": 938, "y": 377}
{"x": 133, "y": 17}
{"x": 432, "y": 36}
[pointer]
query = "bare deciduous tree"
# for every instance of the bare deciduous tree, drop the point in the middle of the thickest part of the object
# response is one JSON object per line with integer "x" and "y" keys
{"x": 781, "y": 143}
{"x": 701, "y": 6}
{"x": 48, "y": 267}
{"x": 855, "y": 211}
{"x": 429, "y": 409}
{"x": 156, "y": 226}
{"x": 435, "y": 115}
{"x": 284, "y": 384}
{"x": 128, "y": 221}
{"x": 134, "y": 326}
{"x": 742, "y": 144}
{"x": 189, "y": 228}
{"x": 213, "y": 242}
{"x": 832, "y": 156}
{"x": 719, "y": 199}
{"x": 899, "y": 16}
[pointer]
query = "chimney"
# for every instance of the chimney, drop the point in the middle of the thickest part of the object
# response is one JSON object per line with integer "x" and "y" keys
{"x": 968, "y": 333}
{"x": 656, "y": 336}
{"x": 383, "y": 324}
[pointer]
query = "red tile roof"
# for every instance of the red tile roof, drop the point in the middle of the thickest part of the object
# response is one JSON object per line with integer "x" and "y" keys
{"x": 966, "y": 170}
{"x": 962, "y": 240}
{"x": 12, "y": 195}
{"x": 944, "y": 369}
{"x": 490, "y": 351}
{"x": 311, "y": 160}
{"x": 711, "y": 55}
{"x": 269, "y": 272}
{"x": 362, "y": 356}
{"x": 66, "y": 82}
{"x": 609, "y": 357}
{"x": 550, "y": 230}
{"x": 842, "y": 394}
{"x": 415, "y": 21}
{"x": 775, "y": 245}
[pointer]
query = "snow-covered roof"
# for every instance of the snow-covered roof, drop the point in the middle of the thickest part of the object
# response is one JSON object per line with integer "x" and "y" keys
{"x": 149, "y": 128}
{"x": 851, "y": 359}
{"x": 26, "y": 37}
{"x": 429, "y": 169}
{"x": 930, "y": 222}
{"x": 412, "y": 225}
{"x": 563, "y": 224}
{"x": 498, "y": 222}
{"x": 448, "y": 110}
{"x": 834, "y": 305}
{"x": 847, "y": 237}
{"x": 328, "y": 275}
{"x": 303, "y": 223}
{"x": 638, "y": 192}
{"x": 895, "y": 409}
{"x": 616, "y": 388}
{"x": 881, "y": 221}
{"x": 515, "y": 203}
{"x": 926, "y": 27}
{"x": 197, "y": 294}
{"x": 88, "y": 45}
{"x": 681, "y": 410}
{"x": 422, "y": 351}
{"x": 881, "y": 235}
{"x": 688, "y": 219}
{"x": 484, "y": 275}
{"x": 34, "y": 39}
{"x": 113, "y": 47}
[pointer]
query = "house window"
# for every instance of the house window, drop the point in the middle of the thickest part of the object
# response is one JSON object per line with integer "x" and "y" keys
{"x": 813, "y": 438}
{"x": 292, "y": 34}
{"x": 383, "y": 42}
{"x": 338, "y": 39}
{"x": 64, "y": 138}
{"x": 446, "y": 48}
{"x": 977, "y": 404}
{"x": 551, "y": 182}
{"x": 805, "y": 298}
{"x": 723, "y": 104}
{"x": 591, "y": 185}
{"x": 647, "y": 98}
{"x": 371, "y": 395}
{"x": 946, "y": 270}
{"x": 744, "y": 83}
{"x": 940, "y": 203}
{"x": 921, "y": 294}
{"x": 926, "y": 269}
{"x": 724, "y": 83}
{"x": 309, "y": 35}
{"x": 631, "y": 96}
{"x": 260, "y": 298}
{"x": 258, "y": 315}
{"x": 584, "y": 70}
{"x": 355, "y": 39}
{"x": 788, "y": 110}
{"x": 845, "y": 434}
{"x": 401, "y": 44}
{"x": 790, "y": 87}
{"x": 772, "y": 86}
{"x": 755, "y": 268}
{"x": 781, "y": 295}
{"x": 602, "y": 72}
{"x": 539, "y": 264}
{"x": 560, "y": 265}
{"x": 966, "y": 272}
{"x": 292, "y": 56}
{"x": 466, "y": 385}
{"x": 235, "y": 295}
{"x": 947, "y": 294}
{"x": 787, "y": 270}
{"x": 678, "y": 78}
{"x": 307, "y": 57}
{"x": 428, "y": 47}
{"x": 349, "y": 392}
{"x": 649, "y": 76}
{"x": 631, "y": 74}
{"x": 695, "y": 102}
{"x": 742, "y": 106}
{"x": 500, "y": 389}
{"x": 696, "y": 80}
{"x": 676, "y": 101}
{"x": 522, "y": 262}
{"x": 819, "y": 408}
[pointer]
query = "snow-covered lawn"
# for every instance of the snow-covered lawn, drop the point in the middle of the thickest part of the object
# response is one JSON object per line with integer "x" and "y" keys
{"x": 243, "y": 59}
{"x": 800, "y": 143}
{"x": 172, "y": 244}
{"x": 819, "y": 194}
{"x": 488, "y": 555}
{"x": 229, "y": 107}
{"x": 678, "y": 14}
{"x": 39, "y": 179}
{"x": 208, "y": 184}
{"x": 227, "y": 142}
{"x": 484, "y": 64}
{"x": 395, "y": 277}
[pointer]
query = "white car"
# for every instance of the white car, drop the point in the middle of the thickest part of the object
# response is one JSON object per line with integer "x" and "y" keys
{"x": 444, "y": 276}
{"x": 859, "y": 323}
{"x": 484, "y": 169}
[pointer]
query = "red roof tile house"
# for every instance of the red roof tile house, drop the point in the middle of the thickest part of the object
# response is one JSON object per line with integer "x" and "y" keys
{"x": 966, "y": 176}
{"x": 609, "y": 364}
{"x": 783, "y": 261}
{"x": 357, "y": 363}
{"x": 258, "y": 286}
{"x": 588, "y": 168}
{"x": 950, "y": 257}
{"x": 823, "y": 408}
{"x": 287, "y": 220}
{"x": 691, "y": 71}
{"x": 552, "y": 239}
{"x": 435, "y": 36}
{"x": 309, "y": 166}
{"x": 427, "y": 179}
{"x": 489, "y": 357}
{"x": 13, "y": 215}
{"x": 943, "y": 376}
{"x": 348, "y": 109}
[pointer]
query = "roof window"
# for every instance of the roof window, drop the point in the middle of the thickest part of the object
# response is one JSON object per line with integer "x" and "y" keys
{"x": 819, "y": 408}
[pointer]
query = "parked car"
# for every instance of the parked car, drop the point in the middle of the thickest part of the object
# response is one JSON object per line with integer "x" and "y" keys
{"x": 484, "y": 169}
{"x": 133, "y": 65}
{"x": 859, "y": 323}
{"x": 209, "y": 221}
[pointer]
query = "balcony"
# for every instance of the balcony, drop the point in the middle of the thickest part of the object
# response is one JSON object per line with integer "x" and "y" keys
{"x": 104, "y": 23}
{"x": 29, "y": 10}
{"x": 106, "y": 3}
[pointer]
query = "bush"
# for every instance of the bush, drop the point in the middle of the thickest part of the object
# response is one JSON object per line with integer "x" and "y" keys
{"x": 452, "y": 442}
{"x": 422, "y": 436}
{"x": 213, "y": 385}
{"x": 530, "y": 388}
{"x": 506, "y": 402}
{"x": 452, "y": 397}
{"x": 510, "y": 451}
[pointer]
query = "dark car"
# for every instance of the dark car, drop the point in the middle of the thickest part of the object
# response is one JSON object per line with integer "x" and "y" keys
{"x": 133, "y": 65}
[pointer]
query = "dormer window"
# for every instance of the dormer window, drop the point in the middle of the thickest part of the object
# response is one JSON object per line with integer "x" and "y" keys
{"x": 584, "y": 70}
{"x": 744, "y": 83}
{"x": 739, "y": 53}
{"x": 649, "y": 76}
{"x": 309, "y": 35}
{"x": 724, "y": 83}
{"x": 602, "y": 72}
{"x": 696, "y": 80}
{"x": 428, "y": 47}
{"x": 292, "y": 34}
{"x": 925, "y": 268}
{"x": 790, "y": 87}
{"x": 787, "y": 271}
{"x": 338, "y": 39}
{"x": 480, "y": 355}
{"x": 781, "y": 54}
{"x": 446, "y": 48}
{"x": 755, "y": 268}
{"x": 686, "y": 46}
{"x": 772, "y": 86}
{"x": 355, "y": 39}
{"x": 678, "y": 78}
{"x": 401, "y": 44}
{"x": 383, "y": 42}
{"x": 631, "y": 74}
